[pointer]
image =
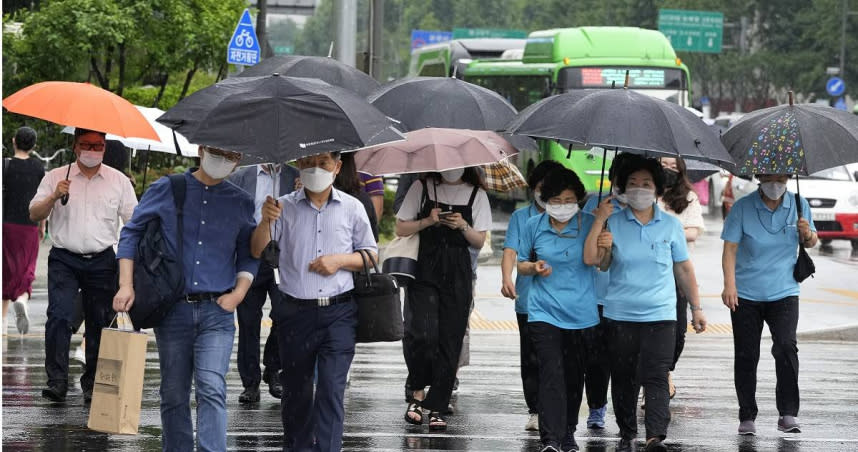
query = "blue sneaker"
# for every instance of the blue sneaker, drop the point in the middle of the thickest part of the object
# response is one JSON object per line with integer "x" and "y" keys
{"x": 597, "y": 417}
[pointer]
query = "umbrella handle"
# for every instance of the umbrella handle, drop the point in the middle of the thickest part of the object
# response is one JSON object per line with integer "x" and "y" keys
{"x": 65, "y": 198}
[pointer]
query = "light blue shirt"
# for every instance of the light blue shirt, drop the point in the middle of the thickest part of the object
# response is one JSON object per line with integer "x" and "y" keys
{"x": 768, "y": 246}
{"x": 266, "y": 185}
{"x": 642, "y": 287}
{"x": 603, "y": 279}
{"x": 517, "y": 223}
{"x": 305, "y": 233}
{"x": 565, "y": 298}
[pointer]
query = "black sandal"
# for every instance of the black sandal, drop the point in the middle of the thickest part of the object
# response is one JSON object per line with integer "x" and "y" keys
{"x": 414, "y": 407}
{"x": 436, "y": 421}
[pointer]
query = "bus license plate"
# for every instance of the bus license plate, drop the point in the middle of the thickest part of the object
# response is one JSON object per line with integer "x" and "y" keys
{"x": 823, "y": 216}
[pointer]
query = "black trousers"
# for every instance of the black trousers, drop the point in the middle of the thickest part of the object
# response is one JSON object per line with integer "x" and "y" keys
{"x": 641, "y": 354}
{"x": 782, "y": 318}
{"x": 598, "y": 371}
{"x": 681, "y": 325}
{"x": 529, "y": 365}
{"x": 435, "y": 320}
{"x": 96, "y": 279}
{"x": 249, "y": 325}
{"x": 561, "y": 355}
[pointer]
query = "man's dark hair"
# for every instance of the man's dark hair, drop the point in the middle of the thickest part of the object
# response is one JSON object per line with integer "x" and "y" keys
{"x": 637, "y": 163}
{"x": 537, "y": 174}
{"x": 78, "y": 131}
{"x": 560, "y": 179}
{"x": 25, "y": 138}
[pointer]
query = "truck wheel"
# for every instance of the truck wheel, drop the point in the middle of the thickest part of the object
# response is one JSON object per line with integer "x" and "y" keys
{"x": 854, "y": 244}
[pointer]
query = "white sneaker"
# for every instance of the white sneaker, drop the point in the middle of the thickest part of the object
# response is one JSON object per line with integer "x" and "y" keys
{"x": 79, "y": 355}
{"x": 22, "y": 316}
{"x": 532, "y": 423}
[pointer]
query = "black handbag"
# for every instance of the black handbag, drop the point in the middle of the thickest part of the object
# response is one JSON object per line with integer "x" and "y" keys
{"x": 379, "y": 308}
{"x": 804, "y": 265}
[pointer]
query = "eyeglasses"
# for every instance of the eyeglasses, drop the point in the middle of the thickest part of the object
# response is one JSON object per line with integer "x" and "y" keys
{"x": 231, "y": 156}
{"x": 98, "y": 147}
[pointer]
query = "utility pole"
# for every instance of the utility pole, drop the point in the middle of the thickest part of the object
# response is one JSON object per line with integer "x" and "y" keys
{"x": 843, "y": 39}
{"x": 345, "y": 18}
{"x": 376, "y": 43}
{"x": 261, "y": 29}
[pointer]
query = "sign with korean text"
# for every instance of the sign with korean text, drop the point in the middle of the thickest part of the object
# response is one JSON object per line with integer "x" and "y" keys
{"x": 243, "y": 45}
{"x": 420, "y": 38}
{"x": 692, "y": 31}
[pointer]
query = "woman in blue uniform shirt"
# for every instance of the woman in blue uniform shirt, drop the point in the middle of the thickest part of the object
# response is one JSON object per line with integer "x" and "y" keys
{"x": 646, "y": 254}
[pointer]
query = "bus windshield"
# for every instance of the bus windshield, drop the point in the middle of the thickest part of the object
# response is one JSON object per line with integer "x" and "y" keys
{"x": 571, "y": 78}
{"x": 519, "y": 90}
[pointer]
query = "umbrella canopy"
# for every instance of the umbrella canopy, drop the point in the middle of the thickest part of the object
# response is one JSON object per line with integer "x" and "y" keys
{"x": 503, "y": 176}
{"x": 80, "y": 105}
{"x": 624, "y": 120}
{"x": 434, "y": 149}
{"x": 442, "y": 102}
{"x": 326, "y": 69}
{"x": 697, "y": 170}
{"x": 793, "y": 139}
{"x": 165, "y": 137}
{"x": 277, "y": 118}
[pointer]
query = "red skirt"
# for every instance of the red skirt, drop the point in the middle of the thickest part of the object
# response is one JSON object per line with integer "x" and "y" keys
{"x": 20, "y": 250}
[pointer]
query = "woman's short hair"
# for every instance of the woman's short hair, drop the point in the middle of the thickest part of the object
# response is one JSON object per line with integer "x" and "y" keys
{"x": 635, "y": 163}
{"x": 537, "y": 173}
{"x": 25, "y": 138}
{"x": 560, "y": 179}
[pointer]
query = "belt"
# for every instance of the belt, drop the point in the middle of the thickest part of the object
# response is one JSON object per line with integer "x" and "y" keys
{"x": 88, "y": 255}
{"x": 203, "y": 296}
{"x": 321, "y": 302}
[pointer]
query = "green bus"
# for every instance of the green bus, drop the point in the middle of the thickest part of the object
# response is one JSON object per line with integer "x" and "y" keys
{"x": 559, "y": 60}
{"x": 448, "y": 59}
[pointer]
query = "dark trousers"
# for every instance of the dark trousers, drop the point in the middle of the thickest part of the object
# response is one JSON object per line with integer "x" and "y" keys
{"x": 96, "y": 278}
{"x": 641, "y": 354}
{"x": 782, "y": 318}
{"x": 598, "y": 371}
{"x": 529, "y": 365}
{"x": 310, "y": 335}
{"x": 435, "y": 322}
{"x": 249, "y": 325}
{"x": 681, "y": 325}
{"x": 561, "y": 354}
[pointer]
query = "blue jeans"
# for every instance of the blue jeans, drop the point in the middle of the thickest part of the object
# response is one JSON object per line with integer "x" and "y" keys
{"x": 195, "y": 340}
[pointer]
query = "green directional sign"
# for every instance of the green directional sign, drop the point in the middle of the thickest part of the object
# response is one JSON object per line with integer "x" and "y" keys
{"x": 692, "y": 31}
{"x": 460, "y": 33}
{"x": 283, "y": 49}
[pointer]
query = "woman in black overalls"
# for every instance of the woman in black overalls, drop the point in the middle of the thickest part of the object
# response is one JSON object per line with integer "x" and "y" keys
{"x": 438, "y": 301}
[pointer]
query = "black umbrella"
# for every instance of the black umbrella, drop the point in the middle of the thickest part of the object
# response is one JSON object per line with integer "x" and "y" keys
{"x": 697, "y": 170}
{"x": 442, "y": 102}
{"x": 277, "y": 118}
{"x": 323, "y": 68}
{"x": 793, "y": 139}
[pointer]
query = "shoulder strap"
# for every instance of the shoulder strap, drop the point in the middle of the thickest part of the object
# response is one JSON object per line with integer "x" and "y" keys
{"x": 425, "y": 198}
{"x": 473, "y": 196}
{"x": 179, "y": 187}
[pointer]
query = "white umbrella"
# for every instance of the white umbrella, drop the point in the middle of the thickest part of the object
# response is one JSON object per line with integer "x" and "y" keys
{"x": 165, "y": 135}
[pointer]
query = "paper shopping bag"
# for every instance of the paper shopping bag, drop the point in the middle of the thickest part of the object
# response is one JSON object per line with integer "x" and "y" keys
{"x": 118, "y": 387}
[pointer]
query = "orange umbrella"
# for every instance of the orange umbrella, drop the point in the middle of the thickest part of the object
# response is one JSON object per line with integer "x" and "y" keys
{"x": 81, "y": 105}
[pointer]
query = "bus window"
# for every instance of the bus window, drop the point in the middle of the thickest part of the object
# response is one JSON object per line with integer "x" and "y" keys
{"x": 639, "y": 78}
{"x": 433, "y": 70}
{"x": 520, "y": 91}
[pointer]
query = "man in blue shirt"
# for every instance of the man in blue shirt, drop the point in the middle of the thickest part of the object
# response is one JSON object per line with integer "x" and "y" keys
{"x": 320, "y": 230}
{"x": 195, "y": 339}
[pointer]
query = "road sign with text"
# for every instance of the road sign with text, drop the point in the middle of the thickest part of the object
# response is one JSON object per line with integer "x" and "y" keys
{"x": 243, "y": 46}
{"x": 420, "y": 38}
{"x": 692, "y": 31}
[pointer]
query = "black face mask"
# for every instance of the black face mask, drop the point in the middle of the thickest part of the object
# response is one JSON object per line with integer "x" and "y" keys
{"x": 671, "y": 178}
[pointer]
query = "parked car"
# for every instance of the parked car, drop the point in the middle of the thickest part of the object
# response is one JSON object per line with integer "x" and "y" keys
{"x": 833, "y": 198}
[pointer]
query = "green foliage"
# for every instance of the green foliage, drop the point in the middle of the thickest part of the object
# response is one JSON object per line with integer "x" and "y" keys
{"x": 387, "y": 222}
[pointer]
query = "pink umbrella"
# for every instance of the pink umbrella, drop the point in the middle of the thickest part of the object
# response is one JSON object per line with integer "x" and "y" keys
{"x": 434, "y": 149}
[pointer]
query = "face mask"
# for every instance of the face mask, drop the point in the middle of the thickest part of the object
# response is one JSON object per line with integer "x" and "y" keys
{"x": 773, "y": 190}
{"x": 316, "y": 179}
{"x": 453, "y": 175}
{"x": 621, "y": 197}
{"x": 562, "y": 212}
{"x": 670, "y": 178}
{"x": 90, "y": 159}
{"x": 217, "y": 166}
{"x": 640, "y": 198}
{"x": 537, "y": 196}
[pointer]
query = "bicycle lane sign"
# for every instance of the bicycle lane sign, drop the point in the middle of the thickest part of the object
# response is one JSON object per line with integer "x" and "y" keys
{"x": 243, "y": 46}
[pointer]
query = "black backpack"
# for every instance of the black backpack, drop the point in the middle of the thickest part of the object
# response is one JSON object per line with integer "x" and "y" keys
{"x": 159, "y": 281}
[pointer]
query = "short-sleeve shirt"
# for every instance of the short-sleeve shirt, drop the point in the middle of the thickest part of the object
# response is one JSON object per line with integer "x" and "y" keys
{"x": 603, "y": 278}
{"x": 456, "y": 195}
{"x": 768, "y": 246}
{"x": 372, "y": 185}
{"x": 517, "y": 224}
{"x": 566, "y": 298}
{"x": 642, "y": 287}
{"x": 691, "y": 217}
{"x": 21, "y": 177}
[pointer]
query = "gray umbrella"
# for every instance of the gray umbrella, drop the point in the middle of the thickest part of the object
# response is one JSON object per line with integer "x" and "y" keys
{"x": 323, "y": 68}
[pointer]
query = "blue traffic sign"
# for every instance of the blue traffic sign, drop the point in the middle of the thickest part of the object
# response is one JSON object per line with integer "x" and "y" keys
{"x": 420, "y": 38}
{"x": 840, "y": 104}
{"x": 835, "y": 86}
{"x": 243, "y": 46}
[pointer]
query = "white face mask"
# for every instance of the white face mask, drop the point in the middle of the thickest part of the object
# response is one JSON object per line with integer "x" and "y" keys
{"x": 621, "y": 197}
{"x": 537, "y": 197}
{"x": 316, "y": 179}
{"x": 640, "y": 198}
{"x": 453, "y": 175}
{"x": 90, "y": 159}
{"x": 773, "y": 189}
{"x": 217, "y": 166}
{"x": 562, "y": 212}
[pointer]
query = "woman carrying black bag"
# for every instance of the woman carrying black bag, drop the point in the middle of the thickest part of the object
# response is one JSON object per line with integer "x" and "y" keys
{"x": 761, "y": 235}
{"x": 451, "y": 213}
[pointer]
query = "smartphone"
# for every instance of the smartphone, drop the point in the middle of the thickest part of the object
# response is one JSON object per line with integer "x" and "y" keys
{"x": 445, "y": 214}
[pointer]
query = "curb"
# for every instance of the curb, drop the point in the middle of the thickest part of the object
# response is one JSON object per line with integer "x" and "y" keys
{"x": 848, "y": 333}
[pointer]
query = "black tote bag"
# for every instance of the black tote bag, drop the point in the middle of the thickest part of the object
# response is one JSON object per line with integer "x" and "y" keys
{"x": 379, "y": 308}
{"x": 804, "y": 266}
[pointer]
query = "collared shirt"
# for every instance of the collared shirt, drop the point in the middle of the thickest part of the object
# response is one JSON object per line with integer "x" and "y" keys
{"x": 768, "y": 246}
{"x": 217, "y": 225}
{"x": 517, "y": 224}
{"x": 305, "y": 233}
{"x": 89, "y": 223}
{"x": 603, "y": 278}
{"x": 565, "y": 298}
{"x": 642, "y": 287}
{"x": 266, "y": 185}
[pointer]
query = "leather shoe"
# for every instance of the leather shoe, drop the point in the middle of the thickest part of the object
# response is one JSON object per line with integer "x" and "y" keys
{"x": 55, "y": 393}
{"x": 250, "y": 395}
{"x": 274, "y": 386}
{"x": 87, "y": 396}
{"x": 625, "y": 445}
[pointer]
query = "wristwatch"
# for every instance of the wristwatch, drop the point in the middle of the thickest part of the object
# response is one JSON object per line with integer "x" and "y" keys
{"x": 467, "y": 226}
{"x": 695, "y": 308}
